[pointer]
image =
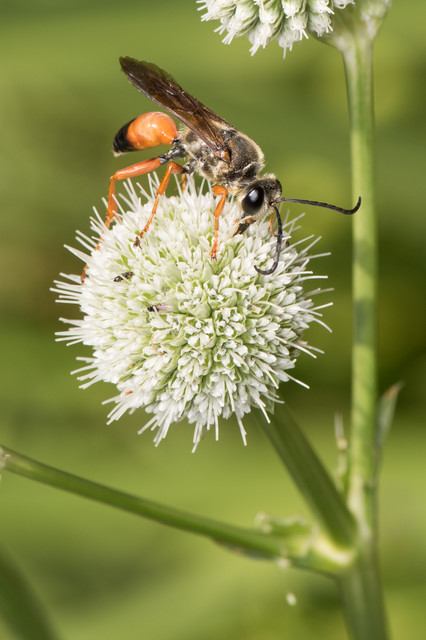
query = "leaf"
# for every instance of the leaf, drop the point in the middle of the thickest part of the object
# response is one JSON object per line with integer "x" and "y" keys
{"x": 386, "y": 411}
{"x": 19, "y": 605}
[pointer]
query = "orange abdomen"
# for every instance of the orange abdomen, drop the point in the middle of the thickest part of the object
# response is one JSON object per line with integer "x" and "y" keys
{"x": 151, "y": 129}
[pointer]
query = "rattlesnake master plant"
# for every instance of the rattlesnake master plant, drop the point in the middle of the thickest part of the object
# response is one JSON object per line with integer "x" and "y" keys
{"x": 180, "y": 334}
{"x": 262, "y": 21}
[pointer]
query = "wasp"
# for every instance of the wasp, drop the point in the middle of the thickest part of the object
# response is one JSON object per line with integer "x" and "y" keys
{"x": 212, "y": 148}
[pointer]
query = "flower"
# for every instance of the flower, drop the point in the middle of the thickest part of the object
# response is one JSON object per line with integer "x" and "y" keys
{"x": 287, "y": 21}
{"x": 178, "y": 333}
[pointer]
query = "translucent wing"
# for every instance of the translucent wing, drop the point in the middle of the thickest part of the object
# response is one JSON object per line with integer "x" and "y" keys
{"x": 161, "y": 88}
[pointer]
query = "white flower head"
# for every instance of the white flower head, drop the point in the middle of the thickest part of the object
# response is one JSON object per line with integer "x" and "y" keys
{"x": 180, "y": 334}
{"x": 263, "y": 21}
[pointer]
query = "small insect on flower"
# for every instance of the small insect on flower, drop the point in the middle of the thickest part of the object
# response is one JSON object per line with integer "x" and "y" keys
{"x": 181, "y": 335}
{"x": 215, "y": 149}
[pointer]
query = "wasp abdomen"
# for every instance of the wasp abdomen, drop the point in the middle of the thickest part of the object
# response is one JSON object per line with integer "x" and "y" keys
{"x": 146, "y": 131}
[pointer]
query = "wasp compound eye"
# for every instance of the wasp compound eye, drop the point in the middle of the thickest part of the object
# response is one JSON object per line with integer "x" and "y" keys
{"x": 253, "y": 201}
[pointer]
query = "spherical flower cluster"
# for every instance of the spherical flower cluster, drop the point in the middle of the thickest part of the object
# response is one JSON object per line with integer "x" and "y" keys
{"x": 180, "y": 334}
{"x": 286, "y": 21}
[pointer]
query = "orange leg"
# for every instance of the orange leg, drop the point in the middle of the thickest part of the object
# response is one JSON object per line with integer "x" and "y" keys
{"x": 221, "y": 191}
{"x": 172, "y": 167}
{"x": 134, "y": 170}
{"x": 271, "y": 225}
{"x": 184, "y": 182}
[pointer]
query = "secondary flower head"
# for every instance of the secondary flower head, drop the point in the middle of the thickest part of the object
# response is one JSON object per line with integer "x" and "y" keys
{"x": 286, "y": 21}
{"x": 180, "y": 334}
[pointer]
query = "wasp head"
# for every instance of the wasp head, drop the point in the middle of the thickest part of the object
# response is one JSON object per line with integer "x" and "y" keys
{"x": 257, "y": 198}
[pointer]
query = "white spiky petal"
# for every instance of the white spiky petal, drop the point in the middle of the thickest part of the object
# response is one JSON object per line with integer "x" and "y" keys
{"x": 185, "y": 336}
{"x": 287, "y": 21}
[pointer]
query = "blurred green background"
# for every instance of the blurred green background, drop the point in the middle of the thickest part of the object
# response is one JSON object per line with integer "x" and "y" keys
{"x": 106, "y": 574}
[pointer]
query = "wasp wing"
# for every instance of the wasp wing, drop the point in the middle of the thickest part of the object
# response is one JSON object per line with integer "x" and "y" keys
{"x": 162, "y": 89}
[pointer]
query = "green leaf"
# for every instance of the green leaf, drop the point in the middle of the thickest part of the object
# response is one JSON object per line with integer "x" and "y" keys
{"x": 311, "y": 476}
{"x": 386, "y": 412}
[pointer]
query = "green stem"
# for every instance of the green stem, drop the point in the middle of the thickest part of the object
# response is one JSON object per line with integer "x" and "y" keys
{"x": 302, "y": 546}
{"x": 360, "y": 584}
{"x": 358, "y": 60}
{"x": 361, "y": 595}
{"x": 238, "y": 538}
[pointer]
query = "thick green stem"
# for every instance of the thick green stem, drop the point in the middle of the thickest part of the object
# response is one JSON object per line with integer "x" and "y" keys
{"x": 360, "y": 584}
{"x": 361, "y": 595}
{"x": 359, "y": 69}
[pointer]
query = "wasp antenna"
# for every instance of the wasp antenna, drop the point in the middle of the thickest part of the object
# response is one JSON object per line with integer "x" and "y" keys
{"x": 267, "y": 272}
{"x": 325, "y": 205}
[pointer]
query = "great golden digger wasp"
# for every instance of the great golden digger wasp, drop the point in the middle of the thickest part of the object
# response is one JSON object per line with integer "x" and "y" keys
{"x": 214, "y": 149}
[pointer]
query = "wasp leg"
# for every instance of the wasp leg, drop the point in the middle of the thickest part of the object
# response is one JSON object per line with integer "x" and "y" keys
{"x": 184, "y": 182}
{"x": 221, "y": 191}
{"x": 122, "y": 174}
{"x": 188, "y": 169}
{"x": 271, "y": 225}
{"x": 172, "y": 167}
{"x": 134, "y": 170}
